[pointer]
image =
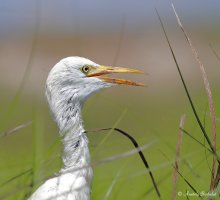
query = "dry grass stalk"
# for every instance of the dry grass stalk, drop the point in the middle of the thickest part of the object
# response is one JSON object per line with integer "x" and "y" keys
{"x": 177, "y": 159}
{"x": 215, "y": 53}
{"x": 209, "y": 95}
{"x": 13, "y": 130}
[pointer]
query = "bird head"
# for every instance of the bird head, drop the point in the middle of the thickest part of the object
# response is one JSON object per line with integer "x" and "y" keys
{"x": 81, "y": 77}
{"x": 72, "y": 80}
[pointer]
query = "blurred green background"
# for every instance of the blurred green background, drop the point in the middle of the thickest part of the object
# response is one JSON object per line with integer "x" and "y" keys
{"x": 35, "y": 35}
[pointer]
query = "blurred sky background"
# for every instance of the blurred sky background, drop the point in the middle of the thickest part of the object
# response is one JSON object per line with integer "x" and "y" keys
{"x": 123, "y": 33}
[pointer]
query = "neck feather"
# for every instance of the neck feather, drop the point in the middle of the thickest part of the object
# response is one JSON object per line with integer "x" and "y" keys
{"x": 67, "y": 113}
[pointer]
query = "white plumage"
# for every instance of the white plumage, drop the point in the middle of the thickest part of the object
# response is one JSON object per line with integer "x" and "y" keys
{"x": 69, "y": 84}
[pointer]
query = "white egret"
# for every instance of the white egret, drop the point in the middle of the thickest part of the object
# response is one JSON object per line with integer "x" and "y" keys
{"x": 69, "y": 84}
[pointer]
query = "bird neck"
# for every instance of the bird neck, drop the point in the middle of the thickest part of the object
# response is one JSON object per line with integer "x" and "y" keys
{"x": 75, "y": 143}
{"x": 75, "y": 149}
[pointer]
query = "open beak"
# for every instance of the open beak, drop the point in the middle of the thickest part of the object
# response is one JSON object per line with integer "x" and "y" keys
{"x": 97, "y": 71}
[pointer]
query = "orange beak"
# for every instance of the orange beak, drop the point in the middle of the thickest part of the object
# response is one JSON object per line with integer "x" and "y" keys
{"x": 102, "y": 70}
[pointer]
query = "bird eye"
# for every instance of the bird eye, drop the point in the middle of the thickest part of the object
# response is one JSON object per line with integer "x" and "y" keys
{"x": 85, "y": 69}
